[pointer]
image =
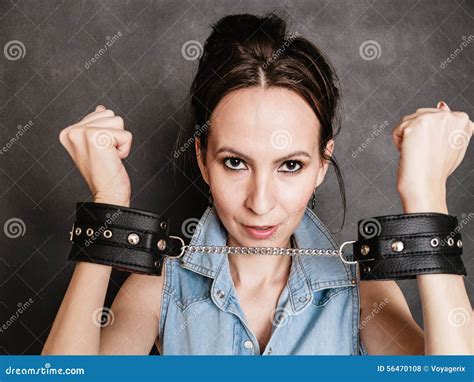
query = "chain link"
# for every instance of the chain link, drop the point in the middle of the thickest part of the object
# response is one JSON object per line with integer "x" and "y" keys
{"x": 277, "y": 251}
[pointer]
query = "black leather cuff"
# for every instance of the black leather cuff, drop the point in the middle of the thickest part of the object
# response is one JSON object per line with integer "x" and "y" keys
{"x": 128, "y": 239}
{"x": 406, "y": 245}
{"x": 388, "y": 247}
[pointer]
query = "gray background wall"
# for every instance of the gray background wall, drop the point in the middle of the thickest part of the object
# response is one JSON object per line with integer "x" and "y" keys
{"x": 144, "y": 78}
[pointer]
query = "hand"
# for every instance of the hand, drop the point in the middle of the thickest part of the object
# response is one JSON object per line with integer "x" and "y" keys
{"x": 97, "y": 144}
{"x": 432, "y": 143}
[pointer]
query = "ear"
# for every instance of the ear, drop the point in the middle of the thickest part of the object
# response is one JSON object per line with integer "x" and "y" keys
{"x": 200, "y": 160}
{"x": 325, "y": 163}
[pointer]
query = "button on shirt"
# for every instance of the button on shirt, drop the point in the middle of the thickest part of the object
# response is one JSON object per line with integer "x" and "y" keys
{"x": 317, "y": 312}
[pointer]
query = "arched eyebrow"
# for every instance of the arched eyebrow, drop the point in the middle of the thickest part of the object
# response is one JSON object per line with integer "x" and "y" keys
{"x": 248, "y": 159}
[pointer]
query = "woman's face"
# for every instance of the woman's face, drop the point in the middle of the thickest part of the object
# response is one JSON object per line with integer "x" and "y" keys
{"x": 262, "y": 163}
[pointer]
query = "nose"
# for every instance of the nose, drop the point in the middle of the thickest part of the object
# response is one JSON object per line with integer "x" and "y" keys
{"x": 260, "y": 196}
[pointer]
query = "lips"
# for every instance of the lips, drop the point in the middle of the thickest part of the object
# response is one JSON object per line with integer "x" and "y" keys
{"x": 260, "y": 232}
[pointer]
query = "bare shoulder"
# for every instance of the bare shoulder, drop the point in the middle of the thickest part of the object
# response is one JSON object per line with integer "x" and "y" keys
{"x": 386, "y": 323}
{"x": 133, "y": 321}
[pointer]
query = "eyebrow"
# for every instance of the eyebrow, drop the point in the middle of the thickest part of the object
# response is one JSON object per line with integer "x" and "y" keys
{"x": 248, "y": 159}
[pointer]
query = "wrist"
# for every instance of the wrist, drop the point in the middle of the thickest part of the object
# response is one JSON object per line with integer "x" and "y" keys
{"x": 117, "y": 202}
{"x": 432, "y": 200}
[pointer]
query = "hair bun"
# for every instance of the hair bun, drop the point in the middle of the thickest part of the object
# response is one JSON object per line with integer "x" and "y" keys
{"x": 246, "y": 27}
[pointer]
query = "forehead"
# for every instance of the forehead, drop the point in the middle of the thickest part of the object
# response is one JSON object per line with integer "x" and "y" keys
{"x": 264, "y": 119}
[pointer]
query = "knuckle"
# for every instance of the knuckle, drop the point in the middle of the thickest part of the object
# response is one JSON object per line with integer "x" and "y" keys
{"x": 89, "y": 133}
{"x": 425, "y": 119}
{"x": 109, "y": 113}
{"x": 462, "y": 115}
{"x": 75, "y": 134}
{"x": 118, "y": 120}
{"x": 63, "y": 136}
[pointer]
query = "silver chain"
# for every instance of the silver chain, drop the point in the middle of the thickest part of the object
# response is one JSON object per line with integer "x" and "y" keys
{"x": 277, "y": 251}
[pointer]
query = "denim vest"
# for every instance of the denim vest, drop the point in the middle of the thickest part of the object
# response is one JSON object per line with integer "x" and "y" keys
{"x": 317, "y": 312}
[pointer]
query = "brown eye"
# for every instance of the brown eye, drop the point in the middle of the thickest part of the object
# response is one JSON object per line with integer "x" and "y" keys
{"x": 232, "y": 163}
{"x": 292, "y": 166}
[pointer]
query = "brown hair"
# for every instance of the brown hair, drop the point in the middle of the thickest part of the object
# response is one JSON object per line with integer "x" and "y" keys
{"x": 246, "y": 50}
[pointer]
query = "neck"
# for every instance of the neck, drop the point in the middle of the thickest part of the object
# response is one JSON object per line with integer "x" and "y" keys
{"x": 258, "y": 270}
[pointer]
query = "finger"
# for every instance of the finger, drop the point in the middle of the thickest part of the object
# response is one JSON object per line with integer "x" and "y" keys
{"x": 419, "y": 112}
{"x": 113, "y": 122}
{"x": 108, "y": 138}
{"x": 100, "y": 108}
{"x": 97, "y": 114}
{"x": 443, "y": 106}
{"x": 124, "y": 144}
{"x": 397, "y": 136}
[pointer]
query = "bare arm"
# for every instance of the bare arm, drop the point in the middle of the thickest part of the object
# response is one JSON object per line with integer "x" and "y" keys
{"x": 132, "y": 326}
{"x": 386, "y": 325}
{"x": 98, "y": 144}
{"x": 427, "y": 159}
{"x": 74, "y": 331}
{"x": 136, "y": 314}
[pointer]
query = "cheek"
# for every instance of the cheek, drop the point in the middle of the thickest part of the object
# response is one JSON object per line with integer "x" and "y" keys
{"x": 296, "y": 191}
{"x": 227, "y": 191}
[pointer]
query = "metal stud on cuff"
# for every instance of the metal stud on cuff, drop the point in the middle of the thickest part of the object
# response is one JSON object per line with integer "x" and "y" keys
{"x": 397, "y": 246}
{"x": 133, "y": 239}
{"x": 161, "y": 245}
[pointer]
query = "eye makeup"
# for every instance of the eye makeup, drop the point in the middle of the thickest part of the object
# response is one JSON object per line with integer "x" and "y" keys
{"x": 229, "y": 159}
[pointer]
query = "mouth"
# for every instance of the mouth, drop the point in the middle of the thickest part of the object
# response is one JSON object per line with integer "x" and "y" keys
{"x": 260, "y": 232}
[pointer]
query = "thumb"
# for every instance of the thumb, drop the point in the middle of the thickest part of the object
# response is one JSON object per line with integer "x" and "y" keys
{"x": 443, "y": 106}
{"x": 124, "y": 142}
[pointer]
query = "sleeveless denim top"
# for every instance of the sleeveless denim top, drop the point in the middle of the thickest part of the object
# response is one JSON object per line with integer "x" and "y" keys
{"x": 317, "y": 312}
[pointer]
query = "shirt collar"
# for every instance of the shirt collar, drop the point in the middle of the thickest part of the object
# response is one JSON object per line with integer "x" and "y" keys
{"x": 307, "y": 273}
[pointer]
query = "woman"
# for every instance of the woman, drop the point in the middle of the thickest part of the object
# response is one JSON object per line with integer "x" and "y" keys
{"x": 265, "y": 109}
